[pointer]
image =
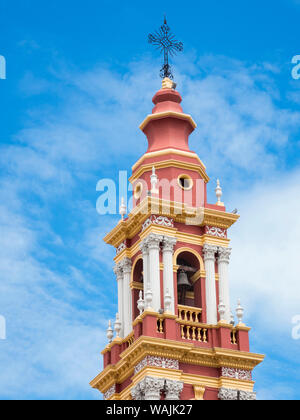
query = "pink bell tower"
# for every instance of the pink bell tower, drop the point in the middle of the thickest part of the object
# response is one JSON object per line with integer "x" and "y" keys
{"x": 175, "y": 336}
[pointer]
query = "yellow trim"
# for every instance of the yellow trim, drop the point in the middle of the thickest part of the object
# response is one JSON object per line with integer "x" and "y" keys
{"x": 133, "y": 267}
{"x": 163, "y": 152}
{"x": 136, "y": 285}
{"x": 128, "y": 228}
{"x": 166, "y": 114}
{"x": 185, "y": 352}
{"x": 199, "y": 392}
{"x": 167, "y": 164}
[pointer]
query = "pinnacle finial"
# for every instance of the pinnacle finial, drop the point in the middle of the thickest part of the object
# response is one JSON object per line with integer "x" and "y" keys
{"x": 168, "y": 301}
{"x": 118, "y": 325}
{"x": 141, "y": 303}
{"x": 219, "y": 193}
{"x": 222, "y": 310}
{"x": 154, "y": 181}
{"x": 109, "y": 332}
{"x": 123, "y": 208}
{"x": 240, "y": 313}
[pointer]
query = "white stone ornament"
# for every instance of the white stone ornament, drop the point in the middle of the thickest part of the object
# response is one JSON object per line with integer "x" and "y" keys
{"x": 215, "y": 231}
{"x": 110, "y": 392}
{"x": 123, "y": 208}
{"x": 226, "y": 394}
{"x": 156, "y": 361}
{"x": 154, "y": 181}
{"x": 148, "y": 298}
{"x": 141, "y": 303}
{"x": 173, "y": 389}
{"x": 121, "y": 248}
{"x": 168, "y": 301}
{"x": 109, "y": 332}
{"x": 222, "y": 311}
{"x": 118, "y": 326}
{"x": 240, "y": 313}
{"x": 219, "y": 193}
{"x": 244, "y": 375}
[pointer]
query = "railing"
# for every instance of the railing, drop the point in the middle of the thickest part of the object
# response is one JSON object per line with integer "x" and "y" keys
{"x": 189, "y": 332}
{"x": 190, "y": 314}
{"x": 129, "y": 340}
{"x": 190, "y": 324}
{"x": 160, "y": 325}
{"x": 233, "y": 337}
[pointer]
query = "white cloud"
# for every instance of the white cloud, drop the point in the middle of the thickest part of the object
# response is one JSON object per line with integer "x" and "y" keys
{"x": 53, "y": 265}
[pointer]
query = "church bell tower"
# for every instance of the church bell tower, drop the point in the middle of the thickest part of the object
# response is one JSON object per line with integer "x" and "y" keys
{"x": 175, "y": 336}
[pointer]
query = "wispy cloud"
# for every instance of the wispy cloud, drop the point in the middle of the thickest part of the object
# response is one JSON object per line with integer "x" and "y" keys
{"x": 57, "y": 287}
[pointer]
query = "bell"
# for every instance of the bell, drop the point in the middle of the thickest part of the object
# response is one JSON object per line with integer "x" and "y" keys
{"x": 183, "y": 280}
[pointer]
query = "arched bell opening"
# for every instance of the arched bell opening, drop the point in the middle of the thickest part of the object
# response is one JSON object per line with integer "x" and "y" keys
{"x": 188, "y": 265}
{"x": 138, "y": 284}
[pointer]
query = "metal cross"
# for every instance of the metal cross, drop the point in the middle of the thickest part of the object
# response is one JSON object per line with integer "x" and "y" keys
{"x": 165, "y": 41}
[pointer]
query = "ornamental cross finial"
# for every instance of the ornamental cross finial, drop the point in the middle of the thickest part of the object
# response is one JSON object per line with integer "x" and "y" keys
{"x": 165, "y": 41}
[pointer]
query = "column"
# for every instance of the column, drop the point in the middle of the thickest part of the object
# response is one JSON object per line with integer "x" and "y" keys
{"x": 210, "y": 284}
{"x": 126, "y": 266}
{"x": 119, "y": 273}
{"x": 223, "y": 263}
{"x": 152, "y": 387}
{"x": 153, "y": 242}
{"x": 168, "y": 250}
{"x": 173, "y": 389}
{"x": 145, "y": 253}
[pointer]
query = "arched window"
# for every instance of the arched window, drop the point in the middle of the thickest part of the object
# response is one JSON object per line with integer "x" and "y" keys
{"x": 138, "y": 280}
{"x": 189, "y": 265}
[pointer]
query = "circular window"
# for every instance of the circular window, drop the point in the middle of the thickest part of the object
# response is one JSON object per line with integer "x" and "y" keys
{"x": 138, "y": 190}
{"x": 185, "y": 182}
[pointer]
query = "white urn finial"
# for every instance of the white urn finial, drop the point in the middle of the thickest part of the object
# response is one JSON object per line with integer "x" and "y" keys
{"x": 109, "y": 332}
{"x": 141, "y": 303}
{"x": 240, "y": 313}
{"x": 123, "y": 208}
{"x": 148, "y": 298}
{"x": 118, "y": 325}
{"x": 219, "y": 193}
{"x": 168, "y": 301}
{"x": 154, "y": 181}
{"x": 222, "y": 310}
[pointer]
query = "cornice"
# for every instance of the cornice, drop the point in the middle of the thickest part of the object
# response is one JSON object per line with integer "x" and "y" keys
{"x": 184, "y": 352}
{"x": 149, "y": 155}
{"x": 131, "y": 226}
{"x": 167, "y": 114}
{"x": 167, "y": 164}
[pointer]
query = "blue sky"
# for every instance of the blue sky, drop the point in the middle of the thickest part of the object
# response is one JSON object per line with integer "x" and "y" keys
{"x": 80, "y": 78}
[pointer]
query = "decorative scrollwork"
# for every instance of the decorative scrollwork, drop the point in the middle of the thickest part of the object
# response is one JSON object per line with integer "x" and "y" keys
{"x": 215, "y": 231}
